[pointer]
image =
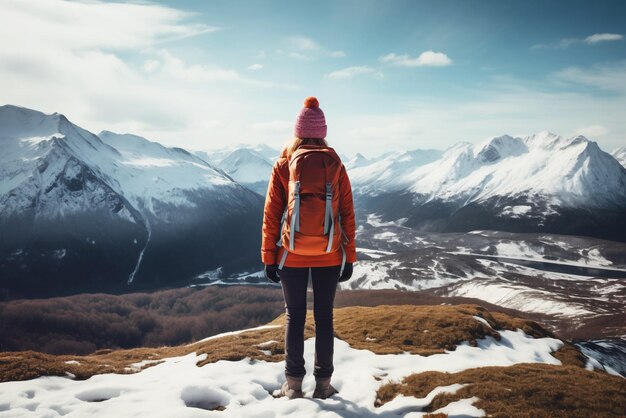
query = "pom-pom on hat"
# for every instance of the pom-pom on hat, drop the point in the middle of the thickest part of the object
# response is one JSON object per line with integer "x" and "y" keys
{"x": 311, "y": 122}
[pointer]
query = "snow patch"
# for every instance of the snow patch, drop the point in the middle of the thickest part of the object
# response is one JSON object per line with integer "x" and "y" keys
{"x": 516, "y": 211}
{"x": 177, "y": 387}
{"x": 224, "y": 334}
{"x": 462, "y": 408}
{"x": 374, "y": 253}
{"x": 519, "y": 297}
{"x": 387, "y": 236}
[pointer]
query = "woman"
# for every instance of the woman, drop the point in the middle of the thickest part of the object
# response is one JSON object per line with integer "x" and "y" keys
{"x": 308, "y": 231}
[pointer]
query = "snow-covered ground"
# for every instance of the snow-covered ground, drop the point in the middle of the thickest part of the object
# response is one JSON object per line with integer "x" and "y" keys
{"x": 520, "y": 297}
{"x": 522, "y": 251}
{"x": 179, "y": 388}
{"x": 519, "y": 271}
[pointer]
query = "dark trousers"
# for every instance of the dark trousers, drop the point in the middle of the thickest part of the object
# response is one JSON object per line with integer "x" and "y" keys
{"x": 294, "y": 282}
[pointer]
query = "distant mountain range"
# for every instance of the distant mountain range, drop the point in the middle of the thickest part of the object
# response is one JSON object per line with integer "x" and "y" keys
{"x": 80, "y": 211}
{"x": 540, "y": 183}
{"x": 248, "y": 165}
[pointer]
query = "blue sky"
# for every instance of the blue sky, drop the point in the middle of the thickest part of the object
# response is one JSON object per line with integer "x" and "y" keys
{"x": 389, "y": 74}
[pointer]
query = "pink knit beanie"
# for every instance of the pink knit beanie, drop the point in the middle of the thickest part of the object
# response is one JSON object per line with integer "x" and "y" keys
{"x": 311, "y": 122}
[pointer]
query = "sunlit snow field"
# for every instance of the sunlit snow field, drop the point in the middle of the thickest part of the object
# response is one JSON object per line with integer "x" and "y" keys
{"x": 178, "y": 388}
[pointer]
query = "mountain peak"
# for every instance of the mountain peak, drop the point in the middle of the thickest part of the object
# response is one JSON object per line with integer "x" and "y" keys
{"x": 124, "y": 140}
{"x": 21, "y": 122}
{"x": 500, "y": 147}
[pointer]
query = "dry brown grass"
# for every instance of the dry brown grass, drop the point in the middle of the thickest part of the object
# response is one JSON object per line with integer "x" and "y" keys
{"x": 523, "y": 390}
{"x": 82, "y": 324}
{"x": 30, "y": 364}
{"x": 427, "y": 330}
{"x": 423, "y": 330}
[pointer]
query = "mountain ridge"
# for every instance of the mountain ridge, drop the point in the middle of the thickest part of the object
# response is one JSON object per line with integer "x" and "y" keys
{"x": 64, "y": 190}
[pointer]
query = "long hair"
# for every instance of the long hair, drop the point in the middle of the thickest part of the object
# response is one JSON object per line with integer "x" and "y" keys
{"x": 298, "y": 142}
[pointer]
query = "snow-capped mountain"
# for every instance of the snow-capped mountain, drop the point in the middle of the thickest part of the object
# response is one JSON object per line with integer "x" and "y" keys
{"x": 540, "y": 182}
{"x": 384, "y": 174}
{"x": 77, "y": 210}
{"x": 261, "y": 150}
{"x": 147, "y": 172}
{"x": 359, "y": 160}
{"x": 250, "y": 165}
{"x": 620, "y": 155}
{"x": 248, "y": 168}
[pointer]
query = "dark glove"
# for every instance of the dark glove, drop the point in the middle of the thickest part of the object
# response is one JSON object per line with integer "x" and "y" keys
{"x": 271, "y": 272}
{"x": 347, "y": 272}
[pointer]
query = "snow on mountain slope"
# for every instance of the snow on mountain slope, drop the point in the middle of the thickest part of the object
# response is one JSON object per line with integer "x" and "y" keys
{"x": 250, "y": 165}
{"x": 137, "y": 169}
{"x": 620, "y": 155}
{"x": 216, "y": 156}
{"x": 146, "y": 171}
{"x": 565, "y": 171}
{"x": 246, "y": 166}
{"x": 357, "y": 161}
{"x": 539, "y": 183}
{"x": 265, "y": 151}
{"x": 48, "y": 153}
{"x": 383, "y": 174}
{"x": 101, "y": 204}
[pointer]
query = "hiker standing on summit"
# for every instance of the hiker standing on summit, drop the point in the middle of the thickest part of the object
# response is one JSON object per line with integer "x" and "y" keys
{"x": 308, "y": 232}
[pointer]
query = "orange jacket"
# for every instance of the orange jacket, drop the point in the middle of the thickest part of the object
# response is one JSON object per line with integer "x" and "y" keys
{"x": 275, "y": 203}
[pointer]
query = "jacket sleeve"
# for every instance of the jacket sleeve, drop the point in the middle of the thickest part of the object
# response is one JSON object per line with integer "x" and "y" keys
{"x": 346, "y": 209}
{"x": 275, "y": 202}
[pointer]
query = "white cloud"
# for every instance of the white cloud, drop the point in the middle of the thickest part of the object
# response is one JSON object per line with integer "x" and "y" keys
{"x": 255, "y": 67}
{"x": 107, "y": 66}
{"x": 603, "y": 37}
{"x": 301, "y": 43}
{"x": 610, "y": 78}
{"x": 307, "y": 49}
{"x": 300, "y": 56}
{"x": 296, "y": 55}
{"x": 350, "y": 72}
{"x": 151, "y": 65}
{"x": 84, "y": 25}
{"x": 427, "y": 58}
{"x": 589, "y": 40}
{"x": 176, "y": 68}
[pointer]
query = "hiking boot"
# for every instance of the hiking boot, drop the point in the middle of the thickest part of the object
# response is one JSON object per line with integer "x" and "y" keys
{"x": 323, "y": 388}
{"x": 292, "y": 388}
